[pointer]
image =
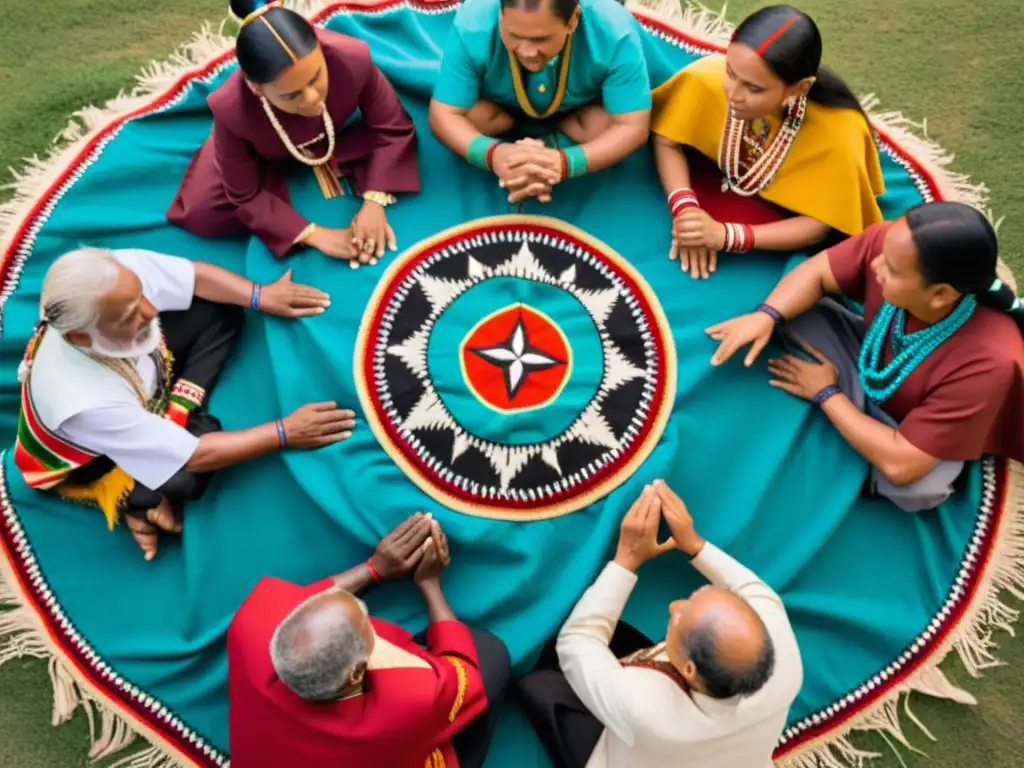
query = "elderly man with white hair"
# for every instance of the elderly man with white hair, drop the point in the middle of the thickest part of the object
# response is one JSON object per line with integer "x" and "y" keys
{"x": 128, "y": 346}
{"x": 315, "y": 681}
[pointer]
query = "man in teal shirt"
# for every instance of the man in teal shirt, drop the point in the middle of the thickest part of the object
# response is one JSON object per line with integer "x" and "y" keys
{"x": 542, "y": 66}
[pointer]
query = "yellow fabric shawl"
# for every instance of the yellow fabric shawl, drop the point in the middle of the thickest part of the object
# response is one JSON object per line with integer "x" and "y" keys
{"x": 832, "y": 172}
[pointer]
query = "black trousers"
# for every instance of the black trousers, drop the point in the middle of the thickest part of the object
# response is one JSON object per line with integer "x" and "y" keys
{"x": 201, "y": 338}
{"x": 472, "y": 743}
{"x": 564, "y": 725}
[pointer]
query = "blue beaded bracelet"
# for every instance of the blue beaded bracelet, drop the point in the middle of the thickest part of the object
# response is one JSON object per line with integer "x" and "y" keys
{"x": 772, "y": 312}
{"x": 825, "y": 394}
{"x": 255, "y": 296}
{"x": 282, "y": 436}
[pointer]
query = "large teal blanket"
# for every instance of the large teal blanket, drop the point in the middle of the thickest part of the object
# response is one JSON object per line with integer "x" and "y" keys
{"x": 766, "y": 477}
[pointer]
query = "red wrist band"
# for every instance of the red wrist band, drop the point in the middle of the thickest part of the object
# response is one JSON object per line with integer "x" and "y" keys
{"x": 373, "y": 571}
{"x": 489, "y": 157}
{"x": 681, "y": 199}
{"x": 739, "y": 238}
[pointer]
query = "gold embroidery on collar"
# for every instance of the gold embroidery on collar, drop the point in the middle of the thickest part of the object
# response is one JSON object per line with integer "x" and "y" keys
{"x": 524, "y": 99}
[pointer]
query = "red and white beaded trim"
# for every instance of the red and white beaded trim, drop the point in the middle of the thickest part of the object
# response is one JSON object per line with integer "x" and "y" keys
{"x": 186, "y": 390}
{"x": 73, "y": 648}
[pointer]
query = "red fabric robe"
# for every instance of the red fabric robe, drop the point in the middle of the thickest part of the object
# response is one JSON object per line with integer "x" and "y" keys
{"x": 404, "y": 719}
{"x": 236, "y": 180}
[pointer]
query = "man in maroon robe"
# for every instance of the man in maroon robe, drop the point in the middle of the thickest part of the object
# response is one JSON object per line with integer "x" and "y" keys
{"x": 236, "y": 182}
{"x": 315, "y": 681}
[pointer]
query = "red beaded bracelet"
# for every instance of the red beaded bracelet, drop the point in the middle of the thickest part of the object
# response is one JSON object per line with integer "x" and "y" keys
{"x": 681, "y": 199}
{"x": 373, "y": 571}
{"x": 739, "y": 238}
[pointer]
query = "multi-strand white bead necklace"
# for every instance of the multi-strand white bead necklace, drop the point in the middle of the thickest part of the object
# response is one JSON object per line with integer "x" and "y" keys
{"x": 763, "y": 169}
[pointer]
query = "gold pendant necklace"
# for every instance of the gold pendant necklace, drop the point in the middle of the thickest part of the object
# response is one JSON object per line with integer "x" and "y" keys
{"x": 520, "y": 89}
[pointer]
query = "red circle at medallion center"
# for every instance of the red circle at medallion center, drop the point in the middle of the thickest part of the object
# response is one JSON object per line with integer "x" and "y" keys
{"x": 516, "y": 359}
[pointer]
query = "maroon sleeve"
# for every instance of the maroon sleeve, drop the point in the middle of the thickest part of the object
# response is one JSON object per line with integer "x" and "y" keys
{"x": 954, "y": 420}
{"x": 393, "y": 165}
{"x": 850, "y": 261}
{"x": 266, "y": 215}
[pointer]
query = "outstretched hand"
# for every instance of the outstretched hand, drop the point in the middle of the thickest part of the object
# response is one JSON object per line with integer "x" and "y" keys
{"x": 638, "y": 534}
{"x": 802, "y": 378}
{"x": 287, "y": 299}
{"x": 398, "y": 553}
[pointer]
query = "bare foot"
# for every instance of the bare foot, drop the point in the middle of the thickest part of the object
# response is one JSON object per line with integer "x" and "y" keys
{"x": 144, "y": 533}
{"x": 163, "y": 517}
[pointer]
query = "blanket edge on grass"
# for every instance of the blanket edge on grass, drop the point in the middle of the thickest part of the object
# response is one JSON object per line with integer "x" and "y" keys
{"x": 35, "y": 625}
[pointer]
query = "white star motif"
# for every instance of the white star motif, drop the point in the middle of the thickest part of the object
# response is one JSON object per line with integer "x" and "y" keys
{"x": 517, "y": 358}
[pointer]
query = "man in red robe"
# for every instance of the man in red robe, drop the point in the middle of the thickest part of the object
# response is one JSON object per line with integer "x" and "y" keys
{"x": 315, "y": 681}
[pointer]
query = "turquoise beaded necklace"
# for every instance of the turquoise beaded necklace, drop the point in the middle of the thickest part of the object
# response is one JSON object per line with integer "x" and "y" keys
{"x": 909, "y": 350}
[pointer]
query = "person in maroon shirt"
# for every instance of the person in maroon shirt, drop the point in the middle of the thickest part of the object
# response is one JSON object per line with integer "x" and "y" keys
{"x": 315, "y": 681}
{"x": 930, "y": 376}
{"x": 292, "y": 102}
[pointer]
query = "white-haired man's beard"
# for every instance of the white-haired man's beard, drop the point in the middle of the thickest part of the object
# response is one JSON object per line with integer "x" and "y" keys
{"x": 145, "y": 342}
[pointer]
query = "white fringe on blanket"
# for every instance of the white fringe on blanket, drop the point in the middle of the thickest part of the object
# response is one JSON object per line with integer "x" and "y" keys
{"x": 22, "y": 633}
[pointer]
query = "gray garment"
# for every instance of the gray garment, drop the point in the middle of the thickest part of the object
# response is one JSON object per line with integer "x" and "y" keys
{"x": 838, "y": 333}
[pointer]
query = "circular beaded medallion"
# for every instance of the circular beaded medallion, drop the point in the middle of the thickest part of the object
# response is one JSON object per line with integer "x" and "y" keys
{"x": 515, "y": 367}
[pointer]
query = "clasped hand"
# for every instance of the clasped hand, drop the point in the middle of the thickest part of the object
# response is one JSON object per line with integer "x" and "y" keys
{"x": 638, "y": 534}
{"x": 416, "y": 547}
{"x": 526, "y": 169}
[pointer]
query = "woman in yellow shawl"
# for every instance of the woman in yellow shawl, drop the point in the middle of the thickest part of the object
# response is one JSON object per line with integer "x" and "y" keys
{"x": 796, "y": 159}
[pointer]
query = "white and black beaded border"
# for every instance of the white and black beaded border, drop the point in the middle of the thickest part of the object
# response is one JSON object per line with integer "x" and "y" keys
{"x": 151, "y": 709}
{"x": 147, "y": 707}
{"x": 974, "y": 556}
{"x": 430, "y": 463}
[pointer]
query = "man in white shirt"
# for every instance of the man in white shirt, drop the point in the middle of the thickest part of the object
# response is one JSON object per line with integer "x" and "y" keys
{"x": 714, "y": 694}
{"x": 128, "y": 347}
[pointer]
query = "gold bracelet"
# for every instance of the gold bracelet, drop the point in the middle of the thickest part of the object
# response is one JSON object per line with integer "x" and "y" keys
{"x": 304, "y": 234}
{"x": 382, "y": 199}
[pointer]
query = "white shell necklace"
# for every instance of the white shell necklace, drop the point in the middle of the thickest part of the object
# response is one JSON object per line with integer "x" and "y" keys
{"x": 294, "y": 151}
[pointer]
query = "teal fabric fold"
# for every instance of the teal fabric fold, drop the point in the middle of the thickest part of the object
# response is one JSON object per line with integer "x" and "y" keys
{"x": 766, "y": 477}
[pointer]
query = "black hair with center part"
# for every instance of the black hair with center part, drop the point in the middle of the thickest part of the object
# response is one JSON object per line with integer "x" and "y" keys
{"x": 563, "y": 9}
{"x": 266, "y": 45}
{"x": 720, "y": 680}
{"x": 789, "y": 42}
{"x": 957, "y": 245}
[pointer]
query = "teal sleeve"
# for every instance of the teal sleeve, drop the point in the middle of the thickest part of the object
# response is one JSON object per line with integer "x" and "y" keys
{"x": 627, "y": 88}
{"x": 458, "y": 84}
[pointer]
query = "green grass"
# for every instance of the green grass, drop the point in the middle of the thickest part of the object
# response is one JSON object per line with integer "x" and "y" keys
{"x": 960, "y": 64}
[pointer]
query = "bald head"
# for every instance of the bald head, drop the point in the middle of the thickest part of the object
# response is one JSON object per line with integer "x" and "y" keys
{"x": 716, "y": 638}
{"x": 322, "y": 646}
